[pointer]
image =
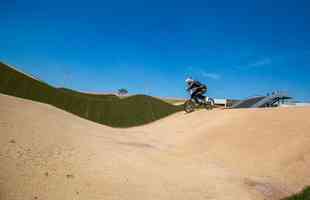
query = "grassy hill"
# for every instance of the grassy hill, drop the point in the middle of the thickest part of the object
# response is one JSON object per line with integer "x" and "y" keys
{"x": 174, "y": 101}
{"x": 303, "y": 195}
{"x": 105, "y": 109}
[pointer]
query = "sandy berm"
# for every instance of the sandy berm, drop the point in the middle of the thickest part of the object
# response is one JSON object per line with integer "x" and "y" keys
{"x": 254, "y": 154}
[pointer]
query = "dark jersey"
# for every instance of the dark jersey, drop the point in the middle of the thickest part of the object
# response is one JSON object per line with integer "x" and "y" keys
{"x": 194, "y": 85}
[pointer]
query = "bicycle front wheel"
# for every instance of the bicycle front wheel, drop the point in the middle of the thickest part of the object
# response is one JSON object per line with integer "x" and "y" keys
{"x": 189, "y": 106}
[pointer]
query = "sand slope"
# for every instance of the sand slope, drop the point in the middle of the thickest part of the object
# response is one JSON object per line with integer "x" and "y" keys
{"x": 46, "y": 153}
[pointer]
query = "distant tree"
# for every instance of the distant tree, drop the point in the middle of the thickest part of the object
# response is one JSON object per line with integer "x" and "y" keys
{"x": 122, "y": 92}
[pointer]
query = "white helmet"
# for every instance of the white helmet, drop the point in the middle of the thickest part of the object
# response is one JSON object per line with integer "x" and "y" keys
{"x": 189, "y": 80}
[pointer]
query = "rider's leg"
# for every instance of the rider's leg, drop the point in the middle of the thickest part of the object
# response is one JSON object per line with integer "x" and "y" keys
{"x": 194, "y": 96}
{"x": 200, "y": 96}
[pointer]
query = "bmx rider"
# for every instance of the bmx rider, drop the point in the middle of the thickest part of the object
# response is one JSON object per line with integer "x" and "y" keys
{"x": 196, "y": 89}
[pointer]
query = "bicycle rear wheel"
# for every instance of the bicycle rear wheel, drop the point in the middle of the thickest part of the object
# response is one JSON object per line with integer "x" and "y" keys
{"x": 208, "y": 106}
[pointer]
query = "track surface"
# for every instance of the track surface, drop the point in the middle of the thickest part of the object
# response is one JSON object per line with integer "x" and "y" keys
{"x": 46, "y": 153}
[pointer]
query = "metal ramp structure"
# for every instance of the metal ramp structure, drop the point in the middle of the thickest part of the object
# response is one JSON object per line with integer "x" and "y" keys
{"x": 263, "y": 101}
{"x": 248, "y": 102}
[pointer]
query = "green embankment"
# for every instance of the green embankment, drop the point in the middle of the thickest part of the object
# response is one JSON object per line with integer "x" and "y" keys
{"x": 175, "y": 101}
{"x": 105, "y": 109}
{"x": 303, "y": 195}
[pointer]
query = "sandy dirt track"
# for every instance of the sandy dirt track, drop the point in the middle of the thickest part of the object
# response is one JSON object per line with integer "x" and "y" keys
{"x": 46, "y": 153}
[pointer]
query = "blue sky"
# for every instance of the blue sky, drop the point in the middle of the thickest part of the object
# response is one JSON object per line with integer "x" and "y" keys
{"x": 238, "y": 48}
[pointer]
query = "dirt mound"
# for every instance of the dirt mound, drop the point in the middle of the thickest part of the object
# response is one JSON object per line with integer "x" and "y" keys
{"x": 47, "y": 153}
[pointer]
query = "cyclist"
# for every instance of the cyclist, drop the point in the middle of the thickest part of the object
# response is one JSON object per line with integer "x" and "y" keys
{"x": 196, "y": 89}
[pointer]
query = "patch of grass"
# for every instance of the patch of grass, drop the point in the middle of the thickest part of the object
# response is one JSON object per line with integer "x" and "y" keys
{"x": 175, "y": 101}
{"x": 303, "y": 195}
{"x": 105, "y": 109}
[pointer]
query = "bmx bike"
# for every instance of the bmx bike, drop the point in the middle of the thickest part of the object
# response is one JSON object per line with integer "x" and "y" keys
{"x": 191, "y": 105}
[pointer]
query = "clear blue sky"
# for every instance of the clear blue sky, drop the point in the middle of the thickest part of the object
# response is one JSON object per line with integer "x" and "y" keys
{"x": 239, "y": 48}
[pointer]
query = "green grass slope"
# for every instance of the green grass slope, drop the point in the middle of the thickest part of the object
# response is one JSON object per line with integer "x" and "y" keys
{"x": 105, "y": 109}
{"x": 303, "y": 195}
{"x": 175, "y": 101}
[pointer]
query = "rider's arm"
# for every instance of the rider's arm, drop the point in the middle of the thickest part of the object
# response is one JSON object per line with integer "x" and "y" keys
{"x": 195, "y": 84}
